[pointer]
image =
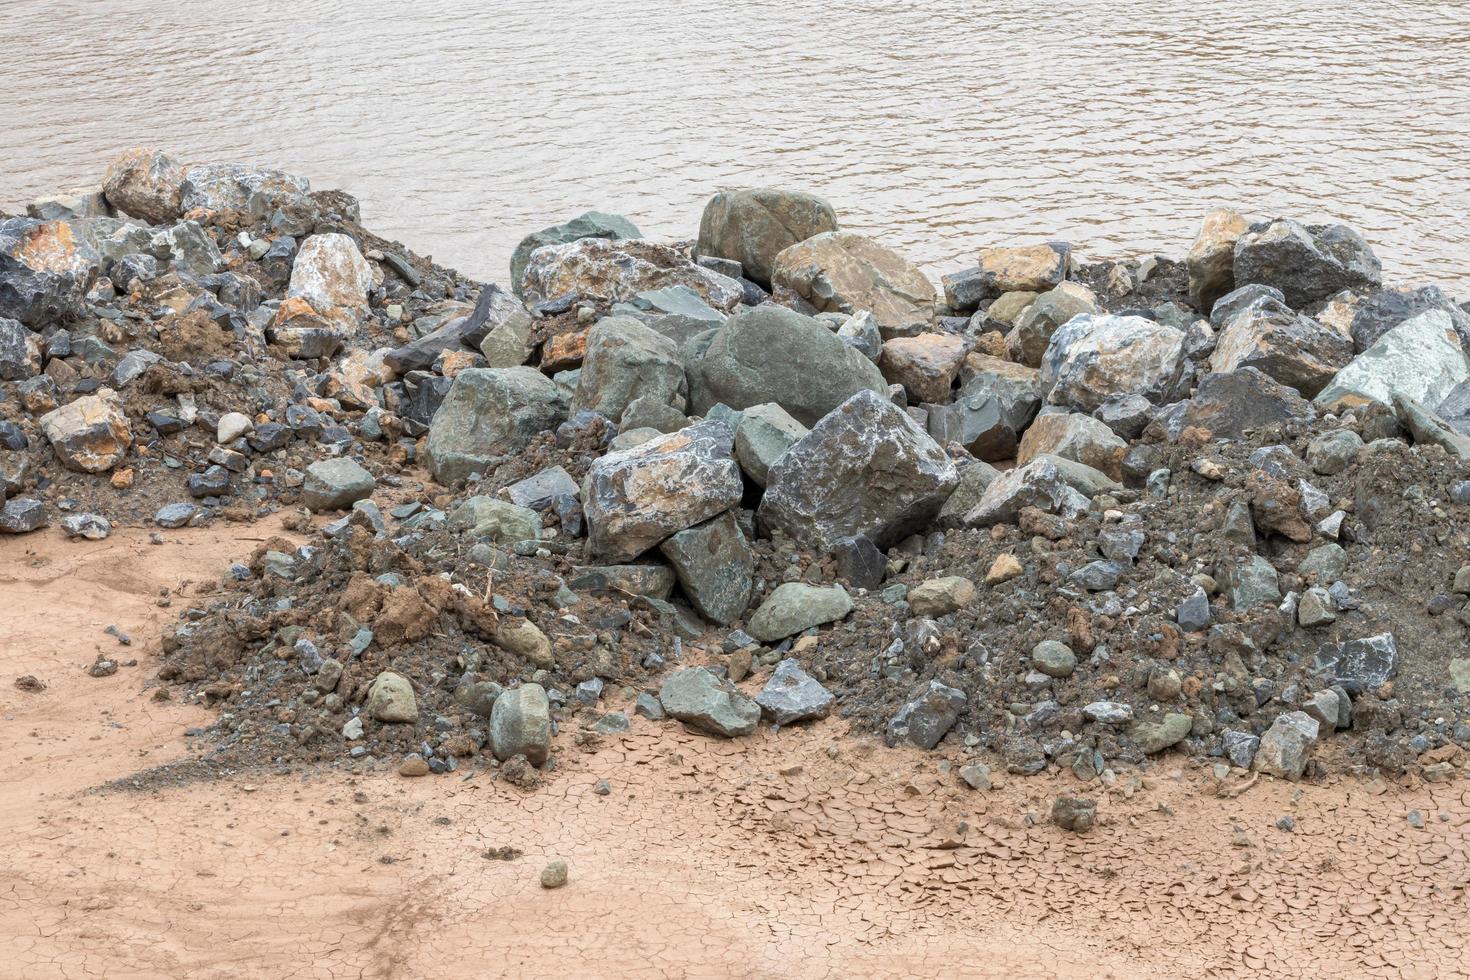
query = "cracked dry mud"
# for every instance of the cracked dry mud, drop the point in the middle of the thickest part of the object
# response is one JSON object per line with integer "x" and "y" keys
{"x": 761, "y": 857}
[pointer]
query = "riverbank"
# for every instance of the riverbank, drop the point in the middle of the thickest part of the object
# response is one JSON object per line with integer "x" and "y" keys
{"x": 1044, "y": 535}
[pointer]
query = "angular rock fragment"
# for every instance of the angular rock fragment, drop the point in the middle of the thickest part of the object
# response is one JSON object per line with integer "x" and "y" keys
{"x": 866, "y": 468}
{"x": 1421, "y": 358}
{"x": 1283, "y": 750}
{"x": 488, "y": 411}
{"x": 926, "y": 364}
{"x": 792, "y": 695}
{"x": 616, "y": 270}
{"x": 1075, "y": 437}
{"x": 707, "y": 703}
{"x": 1211, "y": 260}
{"x": 1364, "y": 664}
{"x": 91, "y": 434}
{"x": 1229, "y": 405}
{"x": 928, "y": 717}
{"x": 636, "y": 498}
{"x": 336, "y": 484}
{"x": 715, "y": 567}
{"x": 591, "y": 224}
{"x": 626, "y": 361}
{"x": 843, "y": 272}
{"x": 1307, "y": 263}
{"x": 764, "y": 433}
{"x": 1093, "y": 358}
{"x": 796, "y": 606}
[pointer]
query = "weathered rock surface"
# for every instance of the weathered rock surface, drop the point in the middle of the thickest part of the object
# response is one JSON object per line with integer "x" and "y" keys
{"x": 866, "y": 468}
{"x": 390, "y": 699}
{"x": 145, "y": 183}
{"x": 45, "y": 271}
{"x": 591, "y": 224}
{"x": 926, "y": 365}
{"x": 1293, "y": 349}
{"x": 715, "y": 566}
{"x": 1306, "y": 262}
{"x": 796, "y": 606}
{"x": 1284, "y": 748}
{"x": 1421, "y": 358}
{"x": 626, "y": 361}
{"x": 90, "y": 434}
{"x": 498, "y": 520}
{"x": 792, "y": 695}
{"x": 1211, "y": 259}
{"x": 764, "y": 433}
{"x": 636, "y": 498}
{"x": 1093, "y": 358}
{"x": 753, "y": 226}
{"x": 1076, "y": 437}
{"x": 1040, "y": 483}
{"x": 488, "y": 411}
{"x": 1034, "y": 328}
{"x": 707, "y": 703}
{"x": 1026, "y": 268}
{"x": 928, "y": 717}
{"x": 617, "y": 270}
{"x": 771, "y": 354}
{"x": 239, "y": 187}
{"x": 843, "y": 272}
{"x": 336, "y": 484}
{"x": 1229, "y": 405}
{"x": 520, "y": 724}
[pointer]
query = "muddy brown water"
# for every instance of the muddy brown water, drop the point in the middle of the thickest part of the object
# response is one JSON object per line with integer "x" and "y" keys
{"x": 938, "y": 127}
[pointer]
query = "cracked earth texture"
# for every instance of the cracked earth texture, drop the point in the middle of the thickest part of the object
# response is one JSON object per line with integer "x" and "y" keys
{"x": 763, "y": 857}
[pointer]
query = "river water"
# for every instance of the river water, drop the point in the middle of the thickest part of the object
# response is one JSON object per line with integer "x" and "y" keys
{"x": 938, "y": 127}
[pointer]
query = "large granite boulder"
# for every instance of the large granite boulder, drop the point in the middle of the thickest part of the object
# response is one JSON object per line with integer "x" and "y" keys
{"x": 145, "y": 183}
{"x": 488, "y": 412}
{"x": 610, "y": 271}
{"x": 327, "y": 297}
{"x": 591, "y": 224}
{"x": 1093, "y": 358}
{"x": 636, "y": 498}
{"x": 1211, "y": 259}
{"x": 1421, "y": 359}
{"x": 844, "y": 272}
{"x": 625, "y": 361}
{"x": 1306, "y": 262}
{"x": 90, "y": 434}
{"x": 772, "y": 354}
{"x": 866, "y": 468}
{"x": 1292, "y": 348}
{"x": 753, "y": 226}
{"x": 45, "y": 271}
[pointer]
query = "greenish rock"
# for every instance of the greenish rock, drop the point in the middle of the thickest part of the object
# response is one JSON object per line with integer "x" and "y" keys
{"x": 1250, "y": 582}
{"x": 772, "y": 354}
{"x": 1328, "y": 562}
{"x": 707, "y": 703}
{"x": 1153, "y": 737}
{"x": 796, "y": 606}
{"x": 1421, "y": 359}
{"x": 625, "y": 362}
{"x": 715, "y": 567}
{"x": 520, "y": 724}
{"x": 390, "y": 699}
{"x": 591, "y": 224}
{"x": 753, "y": 226}
{"x": 763, "y": 434}
{"x": 973, "y": 479}
{"x": 1054, "y": 659}
{"x": 1460, "y": 674}
{"x": 499, "y": 520}
{"x": 490, "y": 411}
{"x": 336, "y": 484}
{"x": 645, "y": 580}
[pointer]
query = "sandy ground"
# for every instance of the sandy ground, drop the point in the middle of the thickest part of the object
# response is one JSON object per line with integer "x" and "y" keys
{"x": 765, "y": 857}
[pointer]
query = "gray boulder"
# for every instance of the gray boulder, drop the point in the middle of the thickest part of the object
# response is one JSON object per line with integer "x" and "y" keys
{"x": 866, "y": 468}
{"x": 1229, "y": 405}
{"x": 1028, "y": 340}
{"x": 1364, "y": 664}
{"x": 1306, "y": 262}
{"x": 1377, "y": 314}
{"x": 520, "y": 724}
{"x": 489, "y": 411}
{"x": 336, "y": 484}
{"x": 602, "y": 271}
{"x": 498, "y": 520}
{"x": 1283, "y": 750}
{"x": 636, "y": 498}
{"x": 793, "y": 695}
{"x": 19, "y": 354}
{"x": 925, "y": 720}
{"x": 240, "y": 187}
{"x": 715, "y": 567}
{"x": 1291, "y": 348}
{"x": 45, "y": 271}
{"x": 753, "y": 226}
{"x": 1041, "y": 483}
{"x": 1093, "y": 358}
{"x": 843, "y": 272}
{"x": 763, "y": 434}
{"x": 772, "y": 354}
{"x": 707, "y": 703}
{"x": 145, "y": 183}
{"x": 796, "y": 606}
{"x": 627, "y": 361}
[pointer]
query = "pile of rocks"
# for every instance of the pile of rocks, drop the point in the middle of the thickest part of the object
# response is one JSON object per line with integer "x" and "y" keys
{"x": 1067, "y": 514}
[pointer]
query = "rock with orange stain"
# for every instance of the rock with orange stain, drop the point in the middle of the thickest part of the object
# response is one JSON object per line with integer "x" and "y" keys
{"x": 636, "y": 498}
{"x": 145, "y": 183}
{"x": 90, "y": 434}
{"x": 326, "y": 299}
{"x": 843, "y": 272}
{"x": 564, "y": 351}
{"x": 45, "y": 271}
{"x": 925, "y": 365}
